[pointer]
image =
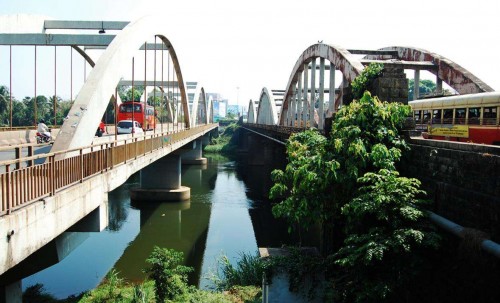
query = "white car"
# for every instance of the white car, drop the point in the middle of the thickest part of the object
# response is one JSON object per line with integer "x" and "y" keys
{"x": 125, "y": 127}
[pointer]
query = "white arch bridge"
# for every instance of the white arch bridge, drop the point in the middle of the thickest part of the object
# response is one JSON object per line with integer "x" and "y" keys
{"x": 43, "y": 195}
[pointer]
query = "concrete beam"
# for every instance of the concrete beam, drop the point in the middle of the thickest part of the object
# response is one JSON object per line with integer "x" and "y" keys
{"x": 55, "y": 39}
{"x": 90, "y": 25}
{"x": 416, "y": 65}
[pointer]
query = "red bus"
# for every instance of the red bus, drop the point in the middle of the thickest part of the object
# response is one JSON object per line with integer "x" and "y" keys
{"x": 136, "y": 111}
{"x": 465, "y": 118}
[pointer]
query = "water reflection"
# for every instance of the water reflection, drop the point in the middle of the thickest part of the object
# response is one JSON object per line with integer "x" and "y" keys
{"x": 228, "y": 213}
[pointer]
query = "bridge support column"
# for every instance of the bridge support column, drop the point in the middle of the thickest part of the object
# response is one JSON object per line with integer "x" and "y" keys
{"x": 194, "y": 156}
{"x": 96, "y": 221}
{"x": 12, "y": 293}
{"x": 161, "y": 181}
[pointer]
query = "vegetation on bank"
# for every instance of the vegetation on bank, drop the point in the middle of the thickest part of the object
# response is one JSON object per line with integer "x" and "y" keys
{"x": 224, "y": 144}
{"x": 167, "y": 282}
{"x": 375, "y": 231}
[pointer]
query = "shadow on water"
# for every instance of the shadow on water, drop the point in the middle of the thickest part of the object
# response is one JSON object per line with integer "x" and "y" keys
{"x": 228, "y": 213}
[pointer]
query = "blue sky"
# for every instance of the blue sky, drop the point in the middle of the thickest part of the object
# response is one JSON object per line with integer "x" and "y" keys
{"x": 227, "y": 44}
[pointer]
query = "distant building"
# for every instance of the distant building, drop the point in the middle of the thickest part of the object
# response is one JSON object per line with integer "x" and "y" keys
{"x": 220, "y": 106}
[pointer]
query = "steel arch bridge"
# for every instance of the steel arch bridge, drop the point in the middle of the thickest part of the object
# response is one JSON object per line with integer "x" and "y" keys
{"x": 100, "y": 86}
{"x": 307, "y": 82}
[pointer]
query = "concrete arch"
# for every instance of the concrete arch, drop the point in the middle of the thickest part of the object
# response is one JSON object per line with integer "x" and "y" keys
{"x": 199, "y": 113}
{"x": 89, "y": 106}
{"x": 266, "y": 112}
{"x": 210, "y": 109}
{"x": 450, "y": 72}
{"x": 252, "y": 112}
{"x": 341, "y": 58}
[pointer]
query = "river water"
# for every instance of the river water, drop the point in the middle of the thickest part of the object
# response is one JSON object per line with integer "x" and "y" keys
{"x": 228, "y": 214}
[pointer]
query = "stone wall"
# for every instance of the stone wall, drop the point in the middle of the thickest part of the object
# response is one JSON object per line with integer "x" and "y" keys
{"x": 391, "y": 86}
{"x": 462, "y": 178}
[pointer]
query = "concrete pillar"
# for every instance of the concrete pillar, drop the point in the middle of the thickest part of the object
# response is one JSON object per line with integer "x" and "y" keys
{"x": 12, "y": 293}
{"x": 392, "y": 85}
{"x": 439, "y": 86}
{"x": 331, "y": 94}
{"x": 313, "y": 93}
{"x": 321, "y": 92}
{"x": 95, "y": 221}
{"x": 306, "y": 96}
{"x": 194, "y": 156}
{"x": 416, "y": 85}
{"x": 205, "y": 140}
{"x": 299, "y": 105}
{"x": 161, "y": 181}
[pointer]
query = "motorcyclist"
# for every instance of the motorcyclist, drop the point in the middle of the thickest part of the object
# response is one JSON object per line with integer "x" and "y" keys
{"x": 43, "y": 129}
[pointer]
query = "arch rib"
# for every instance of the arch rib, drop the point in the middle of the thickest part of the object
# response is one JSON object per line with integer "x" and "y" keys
{"x": 341, "y": 59}
{"x": 450, "y": 72}
{"x": 89, "y": 106}
{"x": 266, "y": 112}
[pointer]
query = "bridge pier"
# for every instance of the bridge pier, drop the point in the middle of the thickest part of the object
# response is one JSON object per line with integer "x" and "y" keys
{"x": 194, "y": 156}
{"x": 12, "y": 293}
{"x": 161, "y": 181}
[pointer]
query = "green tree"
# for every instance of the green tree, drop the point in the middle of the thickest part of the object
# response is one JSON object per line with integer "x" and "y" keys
{"x": 4, "y": 106}
{"x": 170, "y": 277}
{"x": 348, "y": 183}
{"x": 425, "y": 87}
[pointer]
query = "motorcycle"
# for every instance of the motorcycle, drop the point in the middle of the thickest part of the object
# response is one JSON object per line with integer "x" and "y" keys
{"x": 40, "y": 138}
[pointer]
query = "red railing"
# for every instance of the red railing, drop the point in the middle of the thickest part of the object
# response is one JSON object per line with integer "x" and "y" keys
{"x": 22, "y": 182}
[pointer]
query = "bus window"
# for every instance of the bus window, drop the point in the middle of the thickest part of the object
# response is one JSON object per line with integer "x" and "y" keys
{"x": 128, "y": 108}
{"x": 436, "y": 116}
{"x": 489, "y": 115}
{"x": 427, "y": 116}
{"x": 417, "y": 116}
{"x": 460, "y": 116}
{"x": 473, "y": 115}
{"x": 447, "y": 116}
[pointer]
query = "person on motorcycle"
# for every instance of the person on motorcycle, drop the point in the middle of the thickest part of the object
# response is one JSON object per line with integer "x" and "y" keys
{"x": 43, "y": 129}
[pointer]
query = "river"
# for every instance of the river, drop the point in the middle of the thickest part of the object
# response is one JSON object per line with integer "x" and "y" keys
{"x": 228, "y": 213}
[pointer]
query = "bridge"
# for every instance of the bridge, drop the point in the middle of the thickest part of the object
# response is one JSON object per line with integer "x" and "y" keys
{"x": 445, "y": 168}
{"x": 45, "y": 194}
{"x": 46, "y": 191}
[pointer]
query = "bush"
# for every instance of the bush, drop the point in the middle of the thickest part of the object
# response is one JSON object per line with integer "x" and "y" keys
{"x": 169, "y": 276}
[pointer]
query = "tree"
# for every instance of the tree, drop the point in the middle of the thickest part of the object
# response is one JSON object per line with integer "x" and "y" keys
{"x": 373, "y": 222}
{"x": 425, "y": 87}
{"x": 4, "y": 105}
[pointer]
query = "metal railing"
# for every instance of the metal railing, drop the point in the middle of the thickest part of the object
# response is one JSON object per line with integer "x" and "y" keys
{"x": 23, "y": 182}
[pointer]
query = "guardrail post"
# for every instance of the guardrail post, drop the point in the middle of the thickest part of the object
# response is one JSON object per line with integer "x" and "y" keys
{"x": 52, "y": 175}
{"x": 30, "y": 154}
{"x": 18, "y": 151}
{"x": 81, "y": 165}
{"x": 8, "y": 188}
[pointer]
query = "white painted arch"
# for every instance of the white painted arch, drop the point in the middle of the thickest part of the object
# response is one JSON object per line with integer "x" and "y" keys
{"x": 89, "y": 106}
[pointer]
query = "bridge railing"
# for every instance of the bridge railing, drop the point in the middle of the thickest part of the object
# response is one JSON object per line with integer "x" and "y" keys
{"x": 22, "y": 182}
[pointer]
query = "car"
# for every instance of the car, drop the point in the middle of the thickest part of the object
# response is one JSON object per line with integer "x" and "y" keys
{"x": 100, "y": 129}
{"x": 125, "y": 127}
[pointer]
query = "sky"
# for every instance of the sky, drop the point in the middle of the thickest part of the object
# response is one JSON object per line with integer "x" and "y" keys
{"x": 236, "y": 48}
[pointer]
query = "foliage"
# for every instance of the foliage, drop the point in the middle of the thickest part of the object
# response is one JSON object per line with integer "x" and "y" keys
{"x": 364, "y": 81}
{"x": 304, "y": 187}
{"x": 223, "y": 144}
{"x": 425, "y": 87}
{"x": 248, "y": 271}
{"x": 386, "y": 238}
{"x": 37, "y": 294}
{"x": 349, "y": 181}
{"x": 165, "y": 270}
